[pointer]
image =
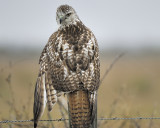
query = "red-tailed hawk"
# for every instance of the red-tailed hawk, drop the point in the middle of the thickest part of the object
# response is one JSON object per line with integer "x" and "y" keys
{"x": 69, "y": 63}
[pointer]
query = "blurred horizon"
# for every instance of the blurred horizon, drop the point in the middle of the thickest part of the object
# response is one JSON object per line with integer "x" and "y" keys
{"x": 35, "y": 51}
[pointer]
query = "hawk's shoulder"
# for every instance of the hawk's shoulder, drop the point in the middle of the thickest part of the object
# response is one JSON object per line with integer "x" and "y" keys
{"x": 51, "y": 39}
{"x": 53, "y": 36}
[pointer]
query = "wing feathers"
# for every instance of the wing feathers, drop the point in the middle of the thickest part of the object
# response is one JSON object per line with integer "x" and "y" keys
{"x": 51, "y": 93}
{"x": 44, "y": 92}
{"x": 93, "y": 105}
{"x": 39, "y": 98}
{"x": 49, "y": 101}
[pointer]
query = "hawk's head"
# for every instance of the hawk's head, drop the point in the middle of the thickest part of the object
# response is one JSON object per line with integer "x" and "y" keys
{"x": 66, "y": 15}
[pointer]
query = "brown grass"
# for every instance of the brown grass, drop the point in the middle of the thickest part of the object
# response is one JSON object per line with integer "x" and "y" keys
{"x": 131, "y": 89}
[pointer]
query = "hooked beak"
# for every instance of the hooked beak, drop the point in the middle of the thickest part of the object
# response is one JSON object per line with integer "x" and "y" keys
{"x": 61, "y": 19}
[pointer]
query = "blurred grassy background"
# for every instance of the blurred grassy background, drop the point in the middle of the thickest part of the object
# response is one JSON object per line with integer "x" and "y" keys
{"x": 131, "y": 89}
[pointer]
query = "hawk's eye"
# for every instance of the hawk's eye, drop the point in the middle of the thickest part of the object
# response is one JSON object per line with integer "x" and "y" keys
{"x": 68, "y": 14}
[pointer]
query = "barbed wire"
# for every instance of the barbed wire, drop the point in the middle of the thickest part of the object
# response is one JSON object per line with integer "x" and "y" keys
{"x": 62, "y": 119}
{"x": 23, "y": 121}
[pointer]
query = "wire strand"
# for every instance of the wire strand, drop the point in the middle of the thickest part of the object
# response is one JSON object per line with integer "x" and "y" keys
{"x": 62, "y": 119}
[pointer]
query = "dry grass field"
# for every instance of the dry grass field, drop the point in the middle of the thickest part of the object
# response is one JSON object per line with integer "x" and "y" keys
{"x": 131, "y": 89}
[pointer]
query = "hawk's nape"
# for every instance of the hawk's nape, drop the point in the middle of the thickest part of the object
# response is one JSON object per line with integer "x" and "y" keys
{"x": 69, "y": 63}
{"x": 82, "y": 108}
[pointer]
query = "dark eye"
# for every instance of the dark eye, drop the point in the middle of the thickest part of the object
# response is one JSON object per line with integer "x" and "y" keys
{"x": 68, "y": 14}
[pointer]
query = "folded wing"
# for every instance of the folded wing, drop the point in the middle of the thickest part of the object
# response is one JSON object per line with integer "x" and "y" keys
{"x": 44, "y": 90}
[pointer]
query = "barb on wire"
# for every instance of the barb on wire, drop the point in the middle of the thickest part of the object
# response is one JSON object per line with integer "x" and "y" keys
{"x": 111, "y": 65}
{"x": 62, "y": 119}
